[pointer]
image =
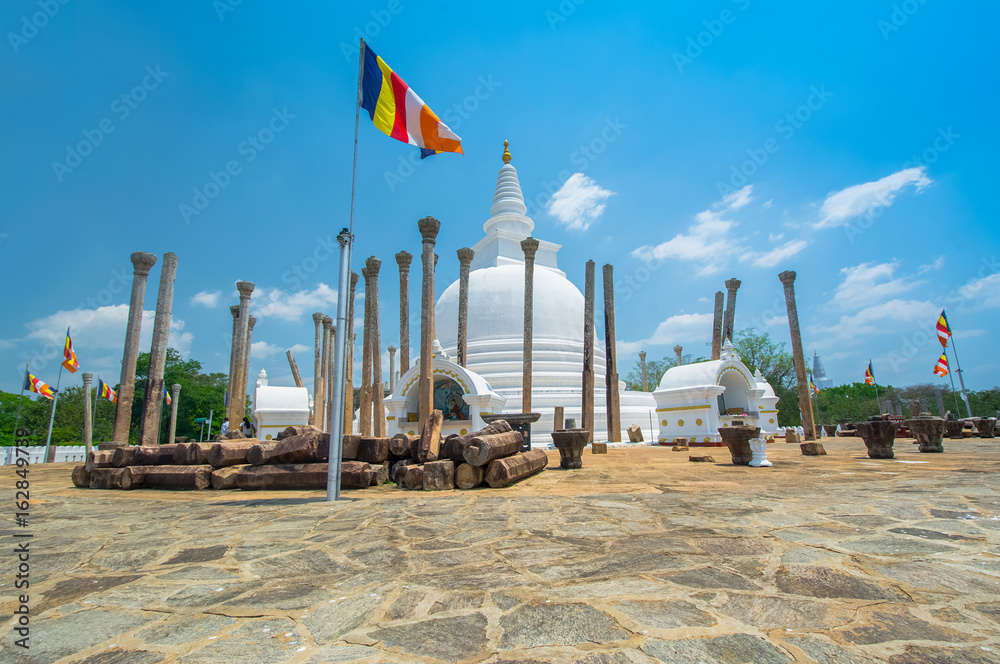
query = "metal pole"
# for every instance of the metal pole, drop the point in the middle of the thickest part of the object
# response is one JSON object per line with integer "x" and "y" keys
{"x": 52, "y": 414}
{"x": 342, "y": 334}
{"x": 210, "y": 412}
{"x": 875, "y": 383}
{"x": 961, "y": 381}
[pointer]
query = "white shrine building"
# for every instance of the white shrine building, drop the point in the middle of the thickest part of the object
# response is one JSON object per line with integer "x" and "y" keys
{"x": 694, "y": 400}
{"x": 496, "y": 324}
{"x": 275, "y": 407}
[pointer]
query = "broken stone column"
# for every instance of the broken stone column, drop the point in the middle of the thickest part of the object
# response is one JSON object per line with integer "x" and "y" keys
{"x": 529, "y": 246}
{"x": 403, "y": 259}
{"x": 642, "y": 368}
{"x": 788, "y": 281}
{"x": 349, "y": 364}
{"x": 392, "y": 368}
{"x": 717, "y": 323}
{"x": 153, "y": 405}
{"x": 317, "y": 363}
{"x": 732, "y": 285}
{"x": 678, "y": 350}
{"x": 237, "y": 396}
{"x": 175, "y": 393}
{"x": 378, "y": 390}
{"x": 365, "y": 393}
{"x": 294, "y": 366}
{"x": 141, "y": 262}
{"x": 88, "y": 418}
{"x": 319, "y": 403}
{"x": 245, "y": 365}
{"x": 587, "y": 415}
{"x": 429, "y": 227}
{"x": 610, "y": 354}
{"x": 465, "y": 256}
{"x": 233, "y": 349}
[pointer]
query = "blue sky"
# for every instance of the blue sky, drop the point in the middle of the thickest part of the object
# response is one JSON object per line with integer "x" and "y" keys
{"x": 685, "y": 143}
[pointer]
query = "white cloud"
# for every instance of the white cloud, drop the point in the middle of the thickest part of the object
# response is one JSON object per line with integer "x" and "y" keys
{"x": 276, "y": 303}
{"x": 772, "y": 237}
{"x": 869, "y": 283}
{"x": 679, "y": 329}
{"x": 932, "y": 267}
{"x": 886, "y": 318}
{"x": 840, "y": 206}
{"x": 579, "y": 202}
{"x": 987, "y": 289}
{"x": 737, "y": 199}
{"x": 777, "y": 255}
{"x": 207, "y": 299}
{"x": 264, "y": 349}
{"x": 767, "y": 204}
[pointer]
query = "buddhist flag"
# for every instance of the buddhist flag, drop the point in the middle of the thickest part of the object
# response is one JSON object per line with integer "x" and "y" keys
{"x": 812, "y": 386}
{"x": 105, "y": 391}
{"x": 869, "y": 375}
{"x": 943, "y": 330}
{"x": 941, "y": 368}
{"x": 398, "y": 112}
{"x": 32, "y": 384}
{"x": 70, "y": 355}
{"x": 166, "y": 395}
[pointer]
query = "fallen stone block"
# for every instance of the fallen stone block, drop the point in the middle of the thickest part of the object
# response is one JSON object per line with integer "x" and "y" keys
{"x": 598, "y": 448}
{"x": 812, "y": 449}
{"x": 701, "y": 458}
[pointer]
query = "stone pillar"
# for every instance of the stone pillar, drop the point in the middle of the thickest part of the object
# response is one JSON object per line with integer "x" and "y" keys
{"x": 558, "y": 418}
{"x": 325, "y": 360}
{"x": 141, "y": 262}
{"x": 233, "y": 350}
{"x": 642, "y": 369}
{"x": 940, "y": 403}
{"x": 429, "y": 227}
{"x": 175, "y": 393}
{"x": 465, "y": 256}
{"x": 329, "y": 376}
{"x": 678, "y": 350}
{"x": 392, "y": 368}
{"x": 238, "y": 395}
{"x": 349, "y": 363}
{"x": 294, "y": 366}
{"x": 587, "y": 415}
{"x": 788, "y": 281}
{"x": 529, "y": 246}
{"x": 611, "y": 354}
{"x": 378, "y": 390}
{"x": 717, "y": 323}
{"x": 88, "y": 417}
{"x": 152, "y": 407}
{"x": 403, "y": 259}
{"x": 365, "y": 395}
{"x": 732, "y": 285}
{"x": 245, "y": 369}
{"x": 317, "y": 363}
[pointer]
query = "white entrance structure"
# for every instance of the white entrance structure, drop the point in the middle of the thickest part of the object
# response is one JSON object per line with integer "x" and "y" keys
{"x": 275, "y": 408}
{"x": 461, "y": 395}
{"x": 496, "y": 323}
{"x": 694, "y": 400}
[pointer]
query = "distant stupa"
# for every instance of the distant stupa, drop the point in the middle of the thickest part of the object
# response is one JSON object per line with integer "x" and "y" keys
{"x": 819, "y": 373}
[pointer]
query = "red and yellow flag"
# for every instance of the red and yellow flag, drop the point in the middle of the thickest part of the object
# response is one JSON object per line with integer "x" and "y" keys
{"x": 32, "y": 384}
{"x": 943, "y": 329}
{"x": 398, "y": 112}
{"x": 812, "y": 386}
{"x": 70, "y": 355}
{"x": 941, "y": 368}
{"x": 869, "y": 375}
{"x": 105, "y": 391}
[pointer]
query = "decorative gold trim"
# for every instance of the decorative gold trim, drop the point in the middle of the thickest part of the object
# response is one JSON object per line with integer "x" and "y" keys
{"x": 670, "y": 410}
{"x": 390, "y": 418}
{"x": 767, "y": 411}
{"x": 729, "y": 369}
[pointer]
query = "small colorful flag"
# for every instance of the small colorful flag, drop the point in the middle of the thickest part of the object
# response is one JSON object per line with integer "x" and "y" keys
{"x": 941, "y": 368}
{"x": 105, "y": 391}
{"x": 70, "y": 355}
{"x": 166, "y": 395}
{"x": 943, "y": 329}
{"x": 398, "y": 112}
{"x": 32, "y": 384}
{"x": 869, "y": 375}
{"x": 812, "y": 386}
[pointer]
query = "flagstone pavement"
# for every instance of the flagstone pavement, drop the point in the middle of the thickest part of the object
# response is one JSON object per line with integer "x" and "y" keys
{"x": 640, "y": 556}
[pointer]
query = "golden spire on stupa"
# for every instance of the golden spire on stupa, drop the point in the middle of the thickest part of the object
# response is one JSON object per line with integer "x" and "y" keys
{"x": 506, "y": 152}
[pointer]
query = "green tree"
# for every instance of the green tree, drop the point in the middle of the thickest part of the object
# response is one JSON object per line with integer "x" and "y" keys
{"x": 654, "y": 371}
{"x": 849, "y": 403}
{"x": 759, "y": 352}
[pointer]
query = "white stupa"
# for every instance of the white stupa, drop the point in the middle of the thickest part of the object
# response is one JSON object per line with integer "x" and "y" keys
{"x": 496, "y": 316}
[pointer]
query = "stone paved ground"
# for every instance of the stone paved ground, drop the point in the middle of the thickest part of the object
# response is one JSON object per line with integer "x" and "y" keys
{"x": 640, "y": 556}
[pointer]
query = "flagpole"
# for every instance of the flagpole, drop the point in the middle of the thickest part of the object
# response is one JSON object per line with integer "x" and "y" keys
{"x": 17, "y": 420}
{"x": 961, "y": 381}
{"x": 52, "y": 414}
{"x": 342, "y": 334}
{"x": 875, "y": 383}
{"x": 954, "y": 392}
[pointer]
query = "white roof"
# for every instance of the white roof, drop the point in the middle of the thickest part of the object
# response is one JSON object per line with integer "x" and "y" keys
{"x": 270, "y": 397}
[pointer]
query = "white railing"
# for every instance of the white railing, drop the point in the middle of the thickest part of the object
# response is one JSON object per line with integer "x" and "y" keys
{"x": 76, "y": 453}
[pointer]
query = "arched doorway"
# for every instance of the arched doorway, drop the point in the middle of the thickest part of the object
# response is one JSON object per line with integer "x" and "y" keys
{"x": 448, "y": 399}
